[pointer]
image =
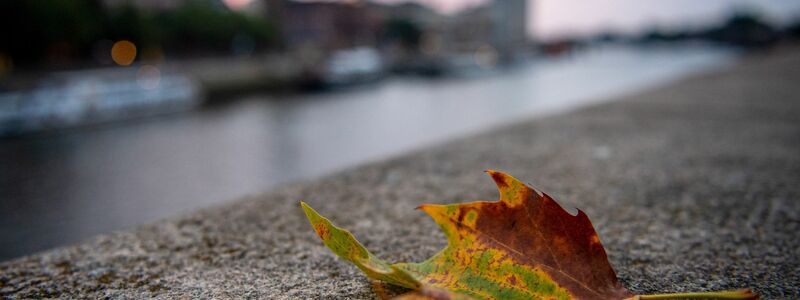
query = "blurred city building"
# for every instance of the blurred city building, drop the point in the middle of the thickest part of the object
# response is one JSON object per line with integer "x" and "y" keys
{"x": 405, "y": 32}
{"x": 328, "y": 25}
{"x": 509, "y": 26}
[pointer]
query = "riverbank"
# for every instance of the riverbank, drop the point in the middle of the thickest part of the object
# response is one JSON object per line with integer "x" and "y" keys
{"x": 691, "y": 186}
{"x": 143, "y": 170}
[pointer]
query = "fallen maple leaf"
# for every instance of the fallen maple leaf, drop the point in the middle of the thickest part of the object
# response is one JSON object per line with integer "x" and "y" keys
{"x": 524, "y": 246}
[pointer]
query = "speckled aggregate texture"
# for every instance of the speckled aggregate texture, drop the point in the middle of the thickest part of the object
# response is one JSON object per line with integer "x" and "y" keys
{"x": 694, "y": 186}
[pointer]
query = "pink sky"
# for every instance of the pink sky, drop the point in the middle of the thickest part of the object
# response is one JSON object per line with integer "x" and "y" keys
{"x": 554, "y": 17}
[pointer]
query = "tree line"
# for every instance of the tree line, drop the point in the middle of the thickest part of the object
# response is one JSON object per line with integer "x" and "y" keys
{"x": 53, "y": 31}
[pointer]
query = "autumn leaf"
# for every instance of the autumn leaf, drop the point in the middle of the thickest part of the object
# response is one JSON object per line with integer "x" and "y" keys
{"x": 524, "y": 246}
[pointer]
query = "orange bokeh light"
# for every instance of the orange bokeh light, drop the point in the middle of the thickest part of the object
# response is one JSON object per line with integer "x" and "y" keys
{"x": 123, "y": 52}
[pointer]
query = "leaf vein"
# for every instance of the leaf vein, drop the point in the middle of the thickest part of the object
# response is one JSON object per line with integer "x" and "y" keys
{"x": 509, "y": 248}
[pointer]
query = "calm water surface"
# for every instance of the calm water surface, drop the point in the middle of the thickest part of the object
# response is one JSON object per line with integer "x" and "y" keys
{"x": 62, "y": 187}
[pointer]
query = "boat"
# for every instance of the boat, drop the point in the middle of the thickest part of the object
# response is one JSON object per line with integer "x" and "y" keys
{"x": 76, "y": 98}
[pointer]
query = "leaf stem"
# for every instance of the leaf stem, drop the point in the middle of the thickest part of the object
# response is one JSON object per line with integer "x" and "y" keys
{"x": 738, "y": 294}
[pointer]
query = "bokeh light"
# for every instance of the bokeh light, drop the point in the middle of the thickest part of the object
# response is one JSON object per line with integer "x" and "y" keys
{"x": 123, "y": 52}
{"x": 148, "y": 77}
{"x": 486, "y": 56}
{"x": 5, "y": 64}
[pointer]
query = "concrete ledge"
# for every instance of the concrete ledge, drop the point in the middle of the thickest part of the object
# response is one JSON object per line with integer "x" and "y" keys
{"x": 692, "y": 187}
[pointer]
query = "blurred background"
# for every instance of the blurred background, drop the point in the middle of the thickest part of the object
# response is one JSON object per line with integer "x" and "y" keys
{"x": 115, "y": 113}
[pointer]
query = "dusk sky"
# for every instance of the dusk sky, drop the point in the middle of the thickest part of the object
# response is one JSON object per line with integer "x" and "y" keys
{"x": 551, "y": 18}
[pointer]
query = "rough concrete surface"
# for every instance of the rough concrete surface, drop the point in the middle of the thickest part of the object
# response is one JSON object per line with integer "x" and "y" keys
{"x": 693, "y": 186}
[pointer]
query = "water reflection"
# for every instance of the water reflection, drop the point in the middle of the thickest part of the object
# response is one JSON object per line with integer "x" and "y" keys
{"x": 60, "y": 188}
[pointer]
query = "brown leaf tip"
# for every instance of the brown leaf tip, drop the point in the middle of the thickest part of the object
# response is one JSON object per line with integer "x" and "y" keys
{"x": 499, "y": 177}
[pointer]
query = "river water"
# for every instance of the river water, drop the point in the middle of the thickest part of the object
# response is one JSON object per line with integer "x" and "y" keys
{"x": 59, "y": 188}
